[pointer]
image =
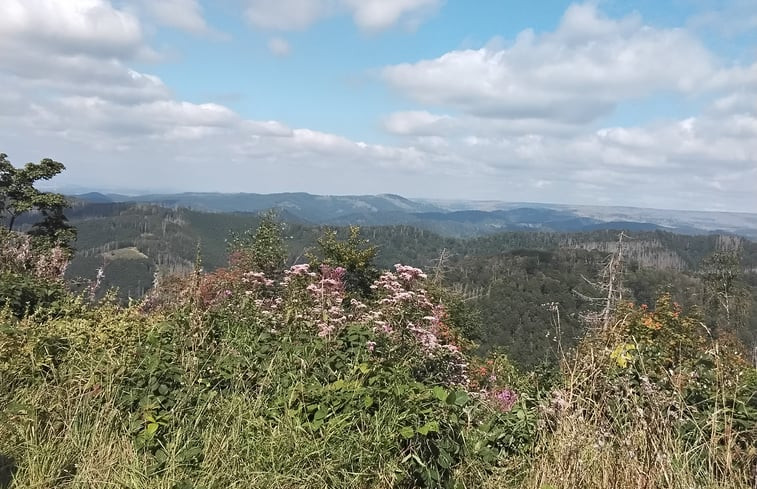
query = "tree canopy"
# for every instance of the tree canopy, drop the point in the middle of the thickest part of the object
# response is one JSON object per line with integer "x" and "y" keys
{"x": 18, "y": 196}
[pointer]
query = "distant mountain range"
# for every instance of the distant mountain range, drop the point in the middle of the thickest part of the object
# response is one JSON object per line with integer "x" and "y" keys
{"x": 459, "y": 218}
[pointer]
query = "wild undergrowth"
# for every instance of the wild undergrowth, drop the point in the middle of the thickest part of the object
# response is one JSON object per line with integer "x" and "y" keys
{"x": 334, "y": 374}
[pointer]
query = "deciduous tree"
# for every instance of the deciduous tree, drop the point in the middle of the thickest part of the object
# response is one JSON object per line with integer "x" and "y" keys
{"x": 18, "y": 196}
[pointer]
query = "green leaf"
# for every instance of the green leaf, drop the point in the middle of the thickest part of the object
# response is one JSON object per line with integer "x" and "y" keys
{"x": 622, "y": 354}
{"x": 407, "y": 432}
{"x": 440, "y": 393}
{"x": 458, "y": 398}
{"x": 431, "y": 426}
{"x": 451, "y": 398}
{"x": 418, "y": 459}
{"x": 151, "y": 428}
{"x": 444, "y": 459}
{"x": 161, "y": 456}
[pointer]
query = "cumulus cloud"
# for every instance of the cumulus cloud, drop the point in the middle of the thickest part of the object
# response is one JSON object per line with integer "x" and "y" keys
{"x": 515, "y": 121}
{"x": 75, "y": 47}
{"x": 369, "y": 15}
{"x": 576, "y": 74}
{"x": 111, "y": 123}
{"x": 526, "y": 112}
{"x": 90, "y": 27}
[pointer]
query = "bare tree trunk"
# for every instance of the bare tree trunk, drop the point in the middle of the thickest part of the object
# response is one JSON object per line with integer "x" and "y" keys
{"x": 614, "y": 287}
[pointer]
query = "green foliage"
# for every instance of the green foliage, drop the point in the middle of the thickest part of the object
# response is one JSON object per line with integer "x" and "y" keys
{"x": 18, "y": 196}
{"x": 25, "y": 294}
{"x": 31, "y": 274}
{"x": 54, "y": 227}
{"x": 232, "y": 379}
{"x": 261, "y": 251}
{"x": 354, "y": 254}
{"x": 239, "y": 386}
{"x": 662, "y": 358}
{"x": 504, "y": 278}
{"x": 172, "y": 379}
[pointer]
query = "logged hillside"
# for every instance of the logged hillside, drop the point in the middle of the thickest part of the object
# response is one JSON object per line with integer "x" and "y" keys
{"x": 504, "y": 278}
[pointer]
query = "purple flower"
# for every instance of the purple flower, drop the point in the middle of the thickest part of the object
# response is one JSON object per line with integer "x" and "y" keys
{"x": 503, "y": 400}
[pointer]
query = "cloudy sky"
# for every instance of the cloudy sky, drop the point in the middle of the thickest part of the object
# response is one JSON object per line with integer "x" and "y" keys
{"x": 650, "y": 103}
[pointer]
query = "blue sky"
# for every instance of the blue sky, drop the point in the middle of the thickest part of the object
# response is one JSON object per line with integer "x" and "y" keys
{"x": 338, "y": 59}
{"x": 645, "y": 103}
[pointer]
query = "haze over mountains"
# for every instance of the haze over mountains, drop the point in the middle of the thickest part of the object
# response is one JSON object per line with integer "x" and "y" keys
{"x": 449, "y": 217}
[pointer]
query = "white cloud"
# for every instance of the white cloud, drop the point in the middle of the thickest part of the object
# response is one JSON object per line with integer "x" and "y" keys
{"x": 374, "y": 15}
{"x": 77, "y": 47}
{"x": 504, "y": 122}
{"x": 738, "y": 102}
{"x": 91, "y": 27}
{"x": 418, "y": 123}
{"x": 279, "y": 47}
{"x": 369, "y": 15}
{"x": 575, "y": 74}
{"x": 423, "y": 123}
{"x": 524, "y": 113}
{"x": 186, "y": 15}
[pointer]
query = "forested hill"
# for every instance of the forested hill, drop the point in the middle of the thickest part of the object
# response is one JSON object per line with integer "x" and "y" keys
{"x": 449, "y": 218}
{"x": 505, "y": 278}
{"x": 490, "y": 365}
{"x": 170, "y": 237}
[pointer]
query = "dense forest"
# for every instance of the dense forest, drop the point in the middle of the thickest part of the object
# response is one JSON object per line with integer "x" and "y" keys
{"x": 504, "y": 278}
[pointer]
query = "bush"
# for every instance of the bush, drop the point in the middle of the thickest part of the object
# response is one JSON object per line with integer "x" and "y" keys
{"x": 349, "y": 392}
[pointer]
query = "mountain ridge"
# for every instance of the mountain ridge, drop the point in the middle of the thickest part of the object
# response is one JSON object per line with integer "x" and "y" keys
{"x": 452, "y": 217}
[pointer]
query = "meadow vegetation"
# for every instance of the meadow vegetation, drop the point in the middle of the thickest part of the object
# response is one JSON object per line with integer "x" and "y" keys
{"x": 336, "y": 374}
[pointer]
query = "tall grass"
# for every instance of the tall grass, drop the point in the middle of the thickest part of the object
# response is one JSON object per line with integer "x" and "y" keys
{"x": 625, "y": 428}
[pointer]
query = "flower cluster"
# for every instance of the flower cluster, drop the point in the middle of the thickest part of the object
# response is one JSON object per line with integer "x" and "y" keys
{"x": 294, "y": 271}
{"x": 215, "y": 289}
{"x": 256, "y": 279}
{"x": 404, "y": 305}
{"x": 405, "y": 320}
{"x": 328, "y": 296}
{"x": 18, "y": 255}
{"x": 502, "y": 399}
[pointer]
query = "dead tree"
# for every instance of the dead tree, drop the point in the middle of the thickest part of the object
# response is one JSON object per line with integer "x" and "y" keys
{"x": 610, "y": 286}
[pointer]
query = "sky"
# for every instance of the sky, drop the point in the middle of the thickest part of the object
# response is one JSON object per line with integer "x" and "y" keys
{"x": 649, "y": 103}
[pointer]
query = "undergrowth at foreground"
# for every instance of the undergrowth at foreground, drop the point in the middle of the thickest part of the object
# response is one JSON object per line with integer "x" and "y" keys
{"x": 254, "y": 377}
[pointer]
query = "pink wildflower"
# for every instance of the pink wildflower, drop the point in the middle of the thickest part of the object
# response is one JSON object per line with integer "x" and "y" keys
{"x": 503, "y": 399}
